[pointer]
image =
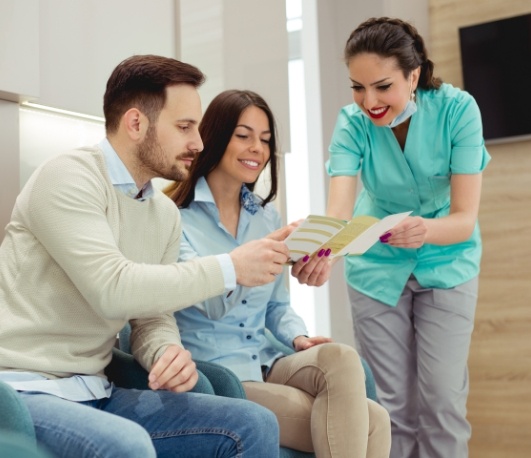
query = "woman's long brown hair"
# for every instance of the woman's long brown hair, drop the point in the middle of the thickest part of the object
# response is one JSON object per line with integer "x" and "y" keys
{"x": 216, "y": 129}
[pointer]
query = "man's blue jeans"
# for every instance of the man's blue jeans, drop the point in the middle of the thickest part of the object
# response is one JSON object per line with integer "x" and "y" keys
{"x": 145, "y": 424}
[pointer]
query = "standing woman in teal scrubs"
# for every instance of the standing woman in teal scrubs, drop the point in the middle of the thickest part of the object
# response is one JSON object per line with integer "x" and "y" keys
{"x": 418, "y": 145}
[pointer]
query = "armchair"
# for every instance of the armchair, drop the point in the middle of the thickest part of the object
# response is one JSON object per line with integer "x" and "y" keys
{"x": 218, "y": 380}
{"x": 214, "y": 379}
{"x": 17, "y": 436}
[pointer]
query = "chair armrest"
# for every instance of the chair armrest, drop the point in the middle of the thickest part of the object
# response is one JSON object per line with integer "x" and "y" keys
{"x": 19, "y": 445}
{"x": 124, "y": 337}
{"x": 15, "y": 416}
{"x": 370, "y": 384}
{"x": 125, "y": 372}
{"x": 223, "y": 380}
{"x": 277, "y": 345}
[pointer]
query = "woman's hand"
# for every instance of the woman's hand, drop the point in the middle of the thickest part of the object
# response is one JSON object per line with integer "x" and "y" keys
{"x": 409, "y": 233}
{"x": 313, "y": 271}
{"x": 303, "y": 343}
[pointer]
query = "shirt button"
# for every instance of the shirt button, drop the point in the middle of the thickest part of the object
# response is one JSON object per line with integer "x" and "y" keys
{"x": 248, "y": 337}
{"x": 244, "y": 302}
{"x": 241, "y": 325}
{"x": 254, "y": 356}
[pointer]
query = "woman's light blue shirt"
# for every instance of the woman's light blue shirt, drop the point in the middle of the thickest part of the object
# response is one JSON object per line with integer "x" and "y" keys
{"x": 229, "y": 329}
{"x": 445, "y": 137}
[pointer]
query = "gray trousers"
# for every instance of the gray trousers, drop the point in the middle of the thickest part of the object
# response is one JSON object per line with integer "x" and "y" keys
{"x": 418, "y": 352}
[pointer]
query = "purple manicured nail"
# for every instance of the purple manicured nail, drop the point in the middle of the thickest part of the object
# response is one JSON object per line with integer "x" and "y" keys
{"x": 327, "y": 252}
{"x": 306, "y": 258}
{"x": 321, "y": 252}
{"x": 385, "y": 237}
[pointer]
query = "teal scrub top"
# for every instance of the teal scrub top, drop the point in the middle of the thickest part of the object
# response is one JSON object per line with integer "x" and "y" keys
{"x": 445, "y": 137}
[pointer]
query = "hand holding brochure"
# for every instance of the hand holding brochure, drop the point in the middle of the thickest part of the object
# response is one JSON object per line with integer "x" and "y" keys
{"x": 344, "y": 238}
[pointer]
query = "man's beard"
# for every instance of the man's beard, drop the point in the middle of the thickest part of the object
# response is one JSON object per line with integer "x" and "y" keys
{"x": 151, "y": 157}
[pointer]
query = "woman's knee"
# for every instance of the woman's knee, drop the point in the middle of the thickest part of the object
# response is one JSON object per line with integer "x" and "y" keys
{"x": 334, "y": 366}
{"x": 339, "y": 358}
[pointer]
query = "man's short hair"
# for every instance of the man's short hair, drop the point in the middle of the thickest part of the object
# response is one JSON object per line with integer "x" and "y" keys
{"x": 141, "y": 82}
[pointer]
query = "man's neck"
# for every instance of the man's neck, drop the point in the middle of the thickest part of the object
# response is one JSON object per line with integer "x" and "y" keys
{"x": 127, "y": 154}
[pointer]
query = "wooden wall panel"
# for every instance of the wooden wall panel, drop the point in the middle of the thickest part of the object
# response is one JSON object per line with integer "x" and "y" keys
{"x": 500, "y": 357}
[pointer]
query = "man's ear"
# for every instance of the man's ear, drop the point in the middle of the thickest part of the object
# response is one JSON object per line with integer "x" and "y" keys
{"x": 136, "y": 124}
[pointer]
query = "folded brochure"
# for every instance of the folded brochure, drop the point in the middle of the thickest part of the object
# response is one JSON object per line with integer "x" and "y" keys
{"x": 343, "y": 238}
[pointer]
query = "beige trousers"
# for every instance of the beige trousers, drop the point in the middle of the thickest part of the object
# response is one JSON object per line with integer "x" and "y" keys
{"x": 318, "y": 396}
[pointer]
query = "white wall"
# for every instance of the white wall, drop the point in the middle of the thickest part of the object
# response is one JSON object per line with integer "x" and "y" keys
{"x": 19, "y": 49}
{"x": 19, "y": 80}
{"x": 44, "y": 134}
{"x": 82, "y": 41}
{"x": 240, "y": 44}
{"x": 9, "y": 160}
{"x": 60, "y": 53}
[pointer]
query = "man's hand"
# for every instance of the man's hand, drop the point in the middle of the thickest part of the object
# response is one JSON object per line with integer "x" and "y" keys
{"x": 313, "y": 272}
{"x": 174, "y": 371}
{"x": 303, "y": 343}
{"x": 283, "y": 232}
{"x": 259, "y": 261}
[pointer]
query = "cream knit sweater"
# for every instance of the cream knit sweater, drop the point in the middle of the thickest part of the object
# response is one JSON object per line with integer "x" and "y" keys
{"x": 79, "y": 260}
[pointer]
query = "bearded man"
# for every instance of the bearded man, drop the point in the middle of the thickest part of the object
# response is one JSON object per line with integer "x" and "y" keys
{"x": 91, "y": 245}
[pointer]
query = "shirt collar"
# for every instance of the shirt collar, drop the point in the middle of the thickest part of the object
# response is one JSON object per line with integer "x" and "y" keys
{"x": 120, "y": 176}
{"x": 202, "y": 192}
{"x": 248, "y": 200}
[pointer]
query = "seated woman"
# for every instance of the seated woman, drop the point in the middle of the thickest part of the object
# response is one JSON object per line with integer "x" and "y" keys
{"x": 317, "y": 393}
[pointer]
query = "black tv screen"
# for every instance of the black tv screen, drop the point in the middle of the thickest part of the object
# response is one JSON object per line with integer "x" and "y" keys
{"x": 496, "y": 63}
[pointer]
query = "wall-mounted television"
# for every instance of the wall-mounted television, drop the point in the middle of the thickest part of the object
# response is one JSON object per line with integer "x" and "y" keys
{"x": 496, "y": 64}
